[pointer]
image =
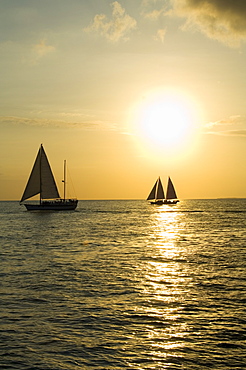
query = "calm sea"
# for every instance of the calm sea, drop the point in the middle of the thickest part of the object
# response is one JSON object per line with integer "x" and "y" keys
{"x": 124, "y": 285}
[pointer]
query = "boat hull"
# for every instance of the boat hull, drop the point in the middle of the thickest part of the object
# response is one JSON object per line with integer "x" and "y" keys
{"x": 67, "y": 205}
{"x": 165, "y": 201}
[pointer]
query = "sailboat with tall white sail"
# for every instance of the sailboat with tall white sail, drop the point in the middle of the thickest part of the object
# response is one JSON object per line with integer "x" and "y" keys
{"x": 42, "y": 182}
{"x": 157, "y": 195}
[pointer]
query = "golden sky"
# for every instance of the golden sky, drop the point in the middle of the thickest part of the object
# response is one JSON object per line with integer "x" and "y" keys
{"x": 125, "y": 91}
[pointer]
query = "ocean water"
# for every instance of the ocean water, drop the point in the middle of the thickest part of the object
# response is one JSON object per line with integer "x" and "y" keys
{"x": 124, "y": 285}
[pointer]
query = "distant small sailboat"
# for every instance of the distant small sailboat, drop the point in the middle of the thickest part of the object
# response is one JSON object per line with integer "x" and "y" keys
{"x": 41, "y": 181}
{"x": 157, "y": 195}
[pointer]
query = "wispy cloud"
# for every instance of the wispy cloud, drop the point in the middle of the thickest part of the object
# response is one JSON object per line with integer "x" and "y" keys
{"x": 236, "y": 133}
{"x": 225, "y": 122}
{"x": 40, "y": 50}
{"x": 83, "y": 122}
{"x": 232, "y": 126}
{"x": 154, "y": 9}
{"x": 222, "y": 20}
{"x": 154, "y": 14}
{"x": 114, "y": 29}
{"x": 27, "y": 53}
{"x": 160, "y": 35}
{"x": 34, "y": 122}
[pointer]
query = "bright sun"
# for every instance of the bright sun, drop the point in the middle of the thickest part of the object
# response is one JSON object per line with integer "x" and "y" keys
{"x": 166, "y": 120}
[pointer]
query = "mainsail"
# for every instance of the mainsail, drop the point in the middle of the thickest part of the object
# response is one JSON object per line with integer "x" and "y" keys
{"x": 157, "y": 191}
{"x": 171, "y": 193}
{"x": 41, "y": 180}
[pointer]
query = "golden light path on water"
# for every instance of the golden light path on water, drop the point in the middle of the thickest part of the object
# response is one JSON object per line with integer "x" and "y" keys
{"x": 165, "y": 282}
{"x": 126, "y": 285}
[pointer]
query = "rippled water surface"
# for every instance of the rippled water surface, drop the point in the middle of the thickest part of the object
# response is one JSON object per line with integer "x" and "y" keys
{"x": 124, "y": 285}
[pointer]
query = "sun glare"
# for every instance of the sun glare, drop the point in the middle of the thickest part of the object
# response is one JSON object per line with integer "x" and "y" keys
{"x": 166, "y": 120}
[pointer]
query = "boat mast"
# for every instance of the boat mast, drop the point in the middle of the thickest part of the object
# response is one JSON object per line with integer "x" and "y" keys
{"x": 157, "y": 187}
{"x": 64, "y": 181}
{"x": 40, "y": 177}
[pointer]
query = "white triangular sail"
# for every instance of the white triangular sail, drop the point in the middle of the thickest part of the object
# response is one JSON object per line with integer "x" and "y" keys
{"x": 171, "y": 193}
{"x": 41, "y": 180}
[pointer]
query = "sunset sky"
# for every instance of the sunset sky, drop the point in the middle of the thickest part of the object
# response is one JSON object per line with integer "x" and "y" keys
{"x": 125, "y": 91}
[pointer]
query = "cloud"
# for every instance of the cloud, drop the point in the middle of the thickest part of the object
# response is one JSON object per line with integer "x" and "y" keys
{"x": 153, "y": 9}
{"x": 154, "y": 14}
{"x": 40, "y": 50}
{"x": 84, "y": 122}
{"x": 222, "y": 20}
{"x": 241, "y": 133}
{"x": 160, "y": 35}
{"x": 236, "y": 133}
{"x": 27, "y": 53}
{"x": 229, "y": 121}
{"x": 232, "y": 126}
{"x": 34, "y": 122}
{"x": 117, "y": 27}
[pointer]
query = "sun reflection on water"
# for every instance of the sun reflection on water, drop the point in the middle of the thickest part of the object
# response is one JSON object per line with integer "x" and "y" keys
{"x": 165, "y": 262}
{"x": 166, "y": 284}
{"x": 166, "y": 228}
